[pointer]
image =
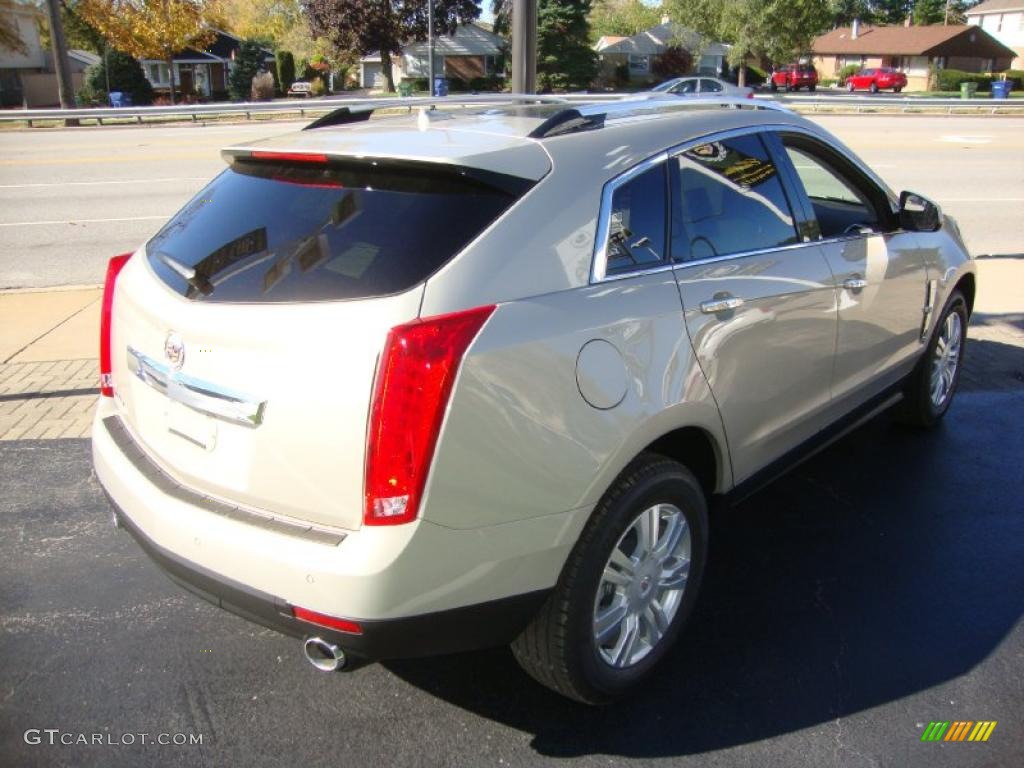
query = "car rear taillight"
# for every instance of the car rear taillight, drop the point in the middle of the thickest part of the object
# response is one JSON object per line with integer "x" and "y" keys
{"x": 114, "y": 267}
{"x": 414, "y": 381}
{"x": 750, "y": 94}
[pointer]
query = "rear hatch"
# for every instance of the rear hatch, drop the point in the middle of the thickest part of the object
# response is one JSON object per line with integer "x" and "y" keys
{"x": 246, "y": 332}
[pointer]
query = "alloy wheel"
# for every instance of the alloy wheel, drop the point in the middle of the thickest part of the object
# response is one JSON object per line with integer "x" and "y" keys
{"x": 642, "y": 585}
{"x": 946, "y": 359}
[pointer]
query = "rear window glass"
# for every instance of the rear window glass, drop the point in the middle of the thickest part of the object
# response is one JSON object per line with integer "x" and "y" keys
{"x": 271, "y": 232}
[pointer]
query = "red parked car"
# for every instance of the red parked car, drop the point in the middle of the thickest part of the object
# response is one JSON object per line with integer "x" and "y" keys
{"x": 793, "y": 77}
{"x": 875, "y": 80}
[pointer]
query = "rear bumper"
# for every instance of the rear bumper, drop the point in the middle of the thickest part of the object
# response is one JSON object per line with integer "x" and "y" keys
{"x": 461, "y": 629}
{"x": 415, "y": 590}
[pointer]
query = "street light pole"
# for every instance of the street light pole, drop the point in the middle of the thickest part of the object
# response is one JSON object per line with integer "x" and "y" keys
{"x": 524, "y": 46}
{"x": 430, "y": 44}
{"x": 59, "y": 49}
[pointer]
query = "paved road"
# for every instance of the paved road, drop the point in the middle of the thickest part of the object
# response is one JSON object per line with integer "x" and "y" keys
{"x": 878, "y": 588}
{"x": 70, "y": 199}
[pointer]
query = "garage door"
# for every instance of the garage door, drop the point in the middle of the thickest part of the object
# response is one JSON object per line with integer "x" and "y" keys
{"x": 373, "y": 75}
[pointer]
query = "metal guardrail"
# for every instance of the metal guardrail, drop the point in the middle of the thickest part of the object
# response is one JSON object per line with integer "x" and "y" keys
{"x": 903, "y": 104}
{"x": 315, "y": 106}
{"x": 248, "y": 108}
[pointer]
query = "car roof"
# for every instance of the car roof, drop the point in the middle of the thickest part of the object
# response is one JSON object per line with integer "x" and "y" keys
{"x": 527, "y": 140}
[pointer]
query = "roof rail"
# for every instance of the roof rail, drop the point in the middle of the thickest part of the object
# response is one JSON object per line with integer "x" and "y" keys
{"x": 589, "y": 117}
{"x": 355, "y": 112}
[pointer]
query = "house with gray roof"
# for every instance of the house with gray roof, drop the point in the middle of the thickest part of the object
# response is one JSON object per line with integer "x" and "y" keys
{"x": 639, "y": 55}
{"x": 474, "y": 51}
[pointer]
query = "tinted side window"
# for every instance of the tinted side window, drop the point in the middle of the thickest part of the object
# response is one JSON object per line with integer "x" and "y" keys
{"x": 710, "y": 86}
{"x": 727, "y": 198}
{"x": 844, "y": 202}
{"x": 840, "y": 205}
{"x": 636, "y": 223}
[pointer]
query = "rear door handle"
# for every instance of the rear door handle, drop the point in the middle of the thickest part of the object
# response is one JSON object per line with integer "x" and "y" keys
{"x": 855, "y": 283}
{"x": 720, "y": 305}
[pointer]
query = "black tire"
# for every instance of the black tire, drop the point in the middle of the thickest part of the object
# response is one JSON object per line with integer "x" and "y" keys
{"x": 773, "y": 87}
{"x": 558, "y": 648}
{"x": 918, "y": 408}
{"x": 897, "y": 89}
{"x": 849, "y": 87}
{"x": 811, "y": 88}
{"x": 874, "y": 88}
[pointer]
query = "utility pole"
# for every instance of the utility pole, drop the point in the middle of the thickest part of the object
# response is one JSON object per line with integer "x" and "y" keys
{"x": 524, "y": 46}
{"x": 59, "y": 49}
{"x": 430, "y": 45}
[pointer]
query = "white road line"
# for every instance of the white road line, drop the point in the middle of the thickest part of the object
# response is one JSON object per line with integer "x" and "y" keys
{"x": 83, "y": 183}
{"x": 82, "y": 221}
{"x": 981, "y": 199}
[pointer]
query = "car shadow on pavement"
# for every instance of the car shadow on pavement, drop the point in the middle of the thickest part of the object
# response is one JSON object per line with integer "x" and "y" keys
{"x": 888, "y": 564}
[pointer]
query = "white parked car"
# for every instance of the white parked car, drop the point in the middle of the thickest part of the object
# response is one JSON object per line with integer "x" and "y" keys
{"x": 429, "y": 383}
{"x": 300, "y": 88}
{"x": 702, "y": 86}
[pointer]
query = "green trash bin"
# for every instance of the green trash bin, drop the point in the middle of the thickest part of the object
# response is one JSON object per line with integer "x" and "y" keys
{"x": 405, "y": 89}
{"x": 967, "y": 90}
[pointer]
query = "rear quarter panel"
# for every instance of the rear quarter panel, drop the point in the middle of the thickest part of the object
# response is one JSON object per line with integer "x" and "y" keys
{"x": 520, "y": 441}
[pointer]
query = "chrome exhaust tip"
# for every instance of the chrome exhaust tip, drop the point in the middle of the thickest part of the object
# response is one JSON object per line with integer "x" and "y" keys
{"x": 324, "y": 655}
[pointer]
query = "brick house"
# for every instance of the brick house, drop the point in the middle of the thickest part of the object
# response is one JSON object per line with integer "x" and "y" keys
{"x": 913, "y": 50}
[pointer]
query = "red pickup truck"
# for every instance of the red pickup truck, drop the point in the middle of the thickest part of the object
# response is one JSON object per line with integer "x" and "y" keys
{"x": 793, "y": 77}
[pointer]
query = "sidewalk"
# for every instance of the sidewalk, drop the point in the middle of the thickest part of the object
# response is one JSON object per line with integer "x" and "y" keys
{"x": 49, "y": 375}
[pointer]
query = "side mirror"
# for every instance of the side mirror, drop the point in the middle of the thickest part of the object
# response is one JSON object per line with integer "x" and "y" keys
{"x": 918, "y": 213}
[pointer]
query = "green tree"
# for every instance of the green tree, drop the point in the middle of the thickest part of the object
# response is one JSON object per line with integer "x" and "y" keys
{"x": 940, "y": 11}
{"x": 565, "y": 60}
{"x": 126, "y": 75}
{"x": 622, "y": 17}
{"x": 845, "y": 11}
{"x": 78, "y": 33}
{"x": 753, "y": 27}
{"x": 892, "y": 11}
{"x": 248, "y": 63}
{"x": 285, "y": 69}
{"x": 383, "y": 26}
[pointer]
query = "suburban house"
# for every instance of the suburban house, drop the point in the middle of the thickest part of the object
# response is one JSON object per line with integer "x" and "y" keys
{"x": 28, "y": 76}
{"x": 203, "y": 72}
{"x": 473, "y": 51}
{"x": 15, "y": 65}
{"x": 911, "y": 49}
{"x": 1004, "y": 20}
{"x": 640, "y": 52}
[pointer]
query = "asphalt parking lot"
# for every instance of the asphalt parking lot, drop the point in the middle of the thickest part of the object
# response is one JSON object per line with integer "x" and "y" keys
{"x": 877, "y": 588}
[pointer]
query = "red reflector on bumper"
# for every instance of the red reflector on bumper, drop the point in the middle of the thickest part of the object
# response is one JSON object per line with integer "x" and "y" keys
{"x": 332, "y": 622}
